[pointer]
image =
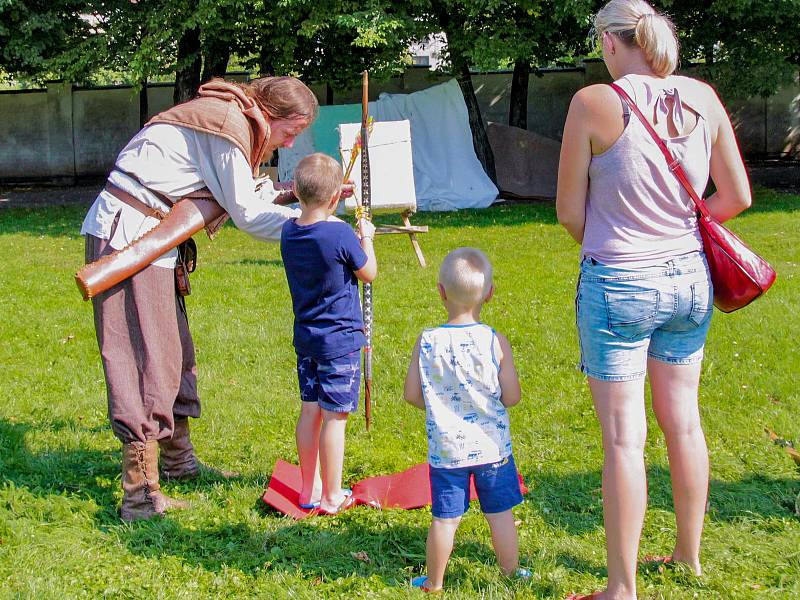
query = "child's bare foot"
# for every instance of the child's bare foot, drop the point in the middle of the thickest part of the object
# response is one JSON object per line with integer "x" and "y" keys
{"x": 331, "y": 505}
{"x": 310, "y": 501}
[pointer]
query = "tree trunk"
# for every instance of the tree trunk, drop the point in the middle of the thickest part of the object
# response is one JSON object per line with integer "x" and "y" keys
{"x": 187, "y": 77}
{"x": 480, "y": 141}
{"x": 328, "y": 94}
{"x": 266, "y": 64}
{"x": 216, "y": 55}
{"x": 518, "y": 111}
{"x": 144, "y": 107}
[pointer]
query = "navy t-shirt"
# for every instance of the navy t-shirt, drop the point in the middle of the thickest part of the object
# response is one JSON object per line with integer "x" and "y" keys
{"x": 320, "y": 262}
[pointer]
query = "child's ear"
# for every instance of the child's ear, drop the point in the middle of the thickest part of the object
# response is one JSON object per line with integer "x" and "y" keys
{"x": 334, "y": 199}
{"x": 442, "y": 292}
{"x": 489, "y": 294}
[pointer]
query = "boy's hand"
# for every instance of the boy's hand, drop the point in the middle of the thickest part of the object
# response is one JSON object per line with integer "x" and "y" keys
{"x": 365, "y": 229}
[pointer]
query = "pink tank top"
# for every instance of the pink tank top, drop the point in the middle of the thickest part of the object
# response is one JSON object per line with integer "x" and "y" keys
{"x": 637, "y": 213}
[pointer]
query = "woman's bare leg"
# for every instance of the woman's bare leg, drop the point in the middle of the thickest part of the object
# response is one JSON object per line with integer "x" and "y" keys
{"x": 674, "y": 390}
{"x": 620, "y": 409}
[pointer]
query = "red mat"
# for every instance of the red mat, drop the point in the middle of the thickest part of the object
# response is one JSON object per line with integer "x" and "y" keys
{"x": 408, "y": 489}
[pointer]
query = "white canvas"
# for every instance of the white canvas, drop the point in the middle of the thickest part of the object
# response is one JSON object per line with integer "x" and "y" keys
{"x": 391, "y": 166}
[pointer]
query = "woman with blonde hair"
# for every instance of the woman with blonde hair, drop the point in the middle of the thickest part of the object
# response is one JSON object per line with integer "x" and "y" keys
{"x": 644, "y": 298}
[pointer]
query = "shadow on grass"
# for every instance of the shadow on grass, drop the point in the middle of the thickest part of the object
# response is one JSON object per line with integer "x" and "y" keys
{"x": 321, "y": 547}
{"x": 364, "y": 543}
{"x": 82, "y": 473}
{"x": 324, "y": 548}
{"x": 573, "y": 502}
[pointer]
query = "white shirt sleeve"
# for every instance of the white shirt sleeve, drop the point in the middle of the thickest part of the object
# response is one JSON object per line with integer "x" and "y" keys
{"x": 226, "y": 172}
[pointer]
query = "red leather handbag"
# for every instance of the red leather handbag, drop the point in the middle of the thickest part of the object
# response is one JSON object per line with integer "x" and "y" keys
{"x": 739, "y": 275}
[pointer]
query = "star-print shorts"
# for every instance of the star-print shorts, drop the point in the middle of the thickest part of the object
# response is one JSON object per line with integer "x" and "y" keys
{"x": 333, "y": 383}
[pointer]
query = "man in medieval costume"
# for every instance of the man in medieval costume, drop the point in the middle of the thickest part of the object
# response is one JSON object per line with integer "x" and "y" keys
{"x": 209, "y": 147}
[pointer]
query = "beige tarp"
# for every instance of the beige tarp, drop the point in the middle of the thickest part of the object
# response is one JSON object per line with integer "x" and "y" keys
{"x": 526, "y": 163}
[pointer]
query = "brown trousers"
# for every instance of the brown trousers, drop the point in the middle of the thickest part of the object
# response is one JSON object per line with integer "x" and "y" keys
{"x": 147, "y": 352}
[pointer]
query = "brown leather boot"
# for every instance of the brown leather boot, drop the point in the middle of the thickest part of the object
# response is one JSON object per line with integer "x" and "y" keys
{"x": 178, "y": 460}
{"x": 142, "y": 497}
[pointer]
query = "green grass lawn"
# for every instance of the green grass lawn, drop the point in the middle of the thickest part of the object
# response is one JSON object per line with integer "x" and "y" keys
{"x": 59, "y": 463}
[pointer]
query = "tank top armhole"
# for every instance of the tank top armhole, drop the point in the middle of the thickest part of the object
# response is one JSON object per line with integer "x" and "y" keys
{"x": 494, "y": 355}
{"x": 629, "y": 87}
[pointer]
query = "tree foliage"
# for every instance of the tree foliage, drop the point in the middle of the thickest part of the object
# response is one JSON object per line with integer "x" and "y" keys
{"x": 330, "y": 41}
{"x": 39, "y": 38}
{"x": 746, "y": 47}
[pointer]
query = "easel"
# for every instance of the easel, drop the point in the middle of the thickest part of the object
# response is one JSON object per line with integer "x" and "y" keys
{"x": 411, "y": 230}
{"x": 406, "y": 209}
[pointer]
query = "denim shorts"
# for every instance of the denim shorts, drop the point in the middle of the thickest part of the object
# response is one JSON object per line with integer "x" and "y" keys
{"x": 497, "y": 485}
{"x": 625, "y": 315}
{"x": 334, "y": 383}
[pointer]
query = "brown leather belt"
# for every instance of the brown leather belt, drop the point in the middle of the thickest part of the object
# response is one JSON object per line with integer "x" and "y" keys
{"x": 134, "y": 202}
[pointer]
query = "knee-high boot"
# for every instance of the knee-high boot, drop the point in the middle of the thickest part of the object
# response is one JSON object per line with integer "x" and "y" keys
{"x": 142, "y": 496}
{"x": 178, "y": 460}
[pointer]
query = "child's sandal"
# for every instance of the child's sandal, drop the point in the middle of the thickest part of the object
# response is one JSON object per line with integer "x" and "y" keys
{"x": 522, "y": 574}
{"x": 421, "y": 583}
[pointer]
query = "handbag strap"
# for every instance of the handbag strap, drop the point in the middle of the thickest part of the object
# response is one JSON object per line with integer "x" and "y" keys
{"x": 672, "y": 162}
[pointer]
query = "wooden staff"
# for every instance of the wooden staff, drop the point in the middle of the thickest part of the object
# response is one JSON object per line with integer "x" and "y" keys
{"x": 366, "y": 213}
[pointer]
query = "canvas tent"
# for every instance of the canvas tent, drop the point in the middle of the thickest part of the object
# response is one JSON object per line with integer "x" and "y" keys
{"x": 447, "y": 174}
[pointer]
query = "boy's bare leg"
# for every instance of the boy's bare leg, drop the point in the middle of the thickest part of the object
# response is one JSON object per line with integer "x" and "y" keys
{"x": 504, "y": 540}
{"x": 307, "y": 438}
{"x": 331, "y": 458}
{"x": 438, "y": 548}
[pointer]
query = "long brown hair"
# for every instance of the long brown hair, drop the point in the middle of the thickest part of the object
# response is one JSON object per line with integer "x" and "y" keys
{"x": 283, "y": 97}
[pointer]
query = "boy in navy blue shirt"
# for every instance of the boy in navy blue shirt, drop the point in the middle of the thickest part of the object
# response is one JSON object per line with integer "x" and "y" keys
{"x": 324, "y": 259}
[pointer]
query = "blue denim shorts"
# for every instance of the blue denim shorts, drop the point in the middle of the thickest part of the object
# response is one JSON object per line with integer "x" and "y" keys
{"x": 334, "y": 383}
{"x": 625, "y": 315}
{"x": 497, "y": 485}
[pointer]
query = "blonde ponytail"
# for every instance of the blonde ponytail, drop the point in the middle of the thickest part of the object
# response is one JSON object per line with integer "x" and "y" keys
{"x": 655, "y": 34}
{"x": 635, "y": 22}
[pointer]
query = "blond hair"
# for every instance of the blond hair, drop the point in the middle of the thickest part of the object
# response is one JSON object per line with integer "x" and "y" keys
{"x": 283, "y": 97}
{"x": 316, "y": 178}
{"x": 466, "y": 276}
{"x": 637, "y": 23}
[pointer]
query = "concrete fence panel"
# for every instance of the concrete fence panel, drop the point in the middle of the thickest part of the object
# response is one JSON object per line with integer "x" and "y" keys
{"x": 24, "y": 138}
{"x": 63, "y": 132}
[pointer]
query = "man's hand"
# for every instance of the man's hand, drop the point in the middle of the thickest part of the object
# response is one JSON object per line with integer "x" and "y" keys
{"x": 348, "y": 188}
{"x": 286, "y": 195}
{"x": 283, "y": 185}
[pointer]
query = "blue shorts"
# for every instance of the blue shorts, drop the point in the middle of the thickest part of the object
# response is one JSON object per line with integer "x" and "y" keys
{"x": 626, "y": 315}
{"x": 334, "y": 383}
{"x": 497, "y": 485}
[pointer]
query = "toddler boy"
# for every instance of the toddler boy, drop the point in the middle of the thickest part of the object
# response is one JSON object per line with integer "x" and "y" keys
{"x": 462, "y": 373}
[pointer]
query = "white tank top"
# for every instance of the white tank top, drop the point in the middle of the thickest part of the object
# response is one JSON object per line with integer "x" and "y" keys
{"x": 467, "y": 423}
